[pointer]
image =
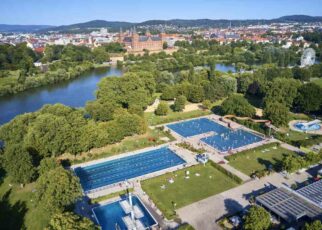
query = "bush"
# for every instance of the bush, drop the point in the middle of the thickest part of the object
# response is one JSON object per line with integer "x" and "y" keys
{"x": 162, "y": 109}
{"x": 179, "y": 104}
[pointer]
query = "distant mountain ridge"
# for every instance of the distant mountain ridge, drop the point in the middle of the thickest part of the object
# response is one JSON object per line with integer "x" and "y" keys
{"x": 23, "y": 28}
{"x": 116, "y": 25}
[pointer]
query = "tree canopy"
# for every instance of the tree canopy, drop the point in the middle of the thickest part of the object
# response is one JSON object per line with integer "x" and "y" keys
{"x": 70, "y": 221}
{"x": 57, "y": 189}
{"x": 238, "y": 105}
{"x": 257, "y": 219}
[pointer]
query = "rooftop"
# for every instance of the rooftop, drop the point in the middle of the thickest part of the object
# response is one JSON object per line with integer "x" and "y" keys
{"x": 289, "y": 205}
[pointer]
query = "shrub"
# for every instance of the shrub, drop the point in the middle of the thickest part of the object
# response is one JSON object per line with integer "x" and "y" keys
{"x": 162, "y": 109}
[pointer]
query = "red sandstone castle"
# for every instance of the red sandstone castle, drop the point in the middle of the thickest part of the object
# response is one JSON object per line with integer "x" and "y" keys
{"x": 133, "y": 42}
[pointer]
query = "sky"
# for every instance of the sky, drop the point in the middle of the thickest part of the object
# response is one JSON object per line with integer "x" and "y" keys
{"x": 64, "y": 12}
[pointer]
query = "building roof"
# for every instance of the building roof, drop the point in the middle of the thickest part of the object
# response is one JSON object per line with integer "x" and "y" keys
{"x": 287, "y": 204}
{"x": 313, "y": 192}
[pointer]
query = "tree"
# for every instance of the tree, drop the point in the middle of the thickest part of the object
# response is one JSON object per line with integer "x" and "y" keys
{"x": 49, "y": 135}
{"x": 196, "y": 94}
{"x": 100, "y": 55}
{"x": 257, "y": 219}
{"x": 283, "y": 91}
{"x": 309, "y": 97}
{"x": 238, "y": 105}
{"x": 47, "y": 164}
{"x": 70, "y": 221}
{"x": 57, "y": 190}
{"x": 292, "y": 163}
{"x": 101, "y": 110}
{"x": 276, "y": 112}
{"x": 179, "y": 103}
{"x": 168, "y": 93}
{"x": 207, "y": 104}
{"x": 316, "y": 225}
{"x": 18, "y": 164}
{"x": 165, "y": 45}
{"x": 162, "y": 109}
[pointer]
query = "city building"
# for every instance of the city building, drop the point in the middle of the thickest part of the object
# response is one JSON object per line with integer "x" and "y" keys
{"x": 134, "y": 42}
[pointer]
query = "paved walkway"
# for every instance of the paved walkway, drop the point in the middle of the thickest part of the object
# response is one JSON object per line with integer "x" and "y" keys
{"x": 202, "y": 215}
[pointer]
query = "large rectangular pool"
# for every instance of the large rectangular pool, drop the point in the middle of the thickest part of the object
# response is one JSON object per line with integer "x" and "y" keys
{"x": 111, "y": 216}
{"x": 231, "y": 140}
{"x": 224, "y": 138}
{"x": 197, "y": 126}
{"x": 118, "y": 170}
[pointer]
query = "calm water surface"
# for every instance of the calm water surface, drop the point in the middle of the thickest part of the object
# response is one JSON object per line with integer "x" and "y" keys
{"x": 73, "y": 93}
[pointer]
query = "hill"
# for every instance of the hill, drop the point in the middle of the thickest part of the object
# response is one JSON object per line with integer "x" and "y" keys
{"x": 116, "y": 25}
{"x": 23, "y": 28}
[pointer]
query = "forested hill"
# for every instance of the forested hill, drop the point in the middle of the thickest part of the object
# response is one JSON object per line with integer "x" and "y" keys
{"x": 116, "y": 25}
{"x": 22, "y": 28}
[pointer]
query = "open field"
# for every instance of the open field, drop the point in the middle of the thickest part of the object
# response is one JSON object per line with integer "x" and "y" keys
{"x": 186, "y": 191}
{"x": 17, "y": 211}
{"x": 153, "y": 119}
{"x": 258, "y": 158}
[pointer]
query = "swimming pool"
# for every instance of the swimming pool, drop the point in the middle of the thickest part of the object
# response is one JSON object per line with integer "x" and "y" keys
{"x": 224, "y": 138}
{"x": 197, "y": 126}
{"x": 110, "y": 215}
{"x": 114, "y": 171}
{"x": 303, "y": 127}
{"x": 231, "y": 140}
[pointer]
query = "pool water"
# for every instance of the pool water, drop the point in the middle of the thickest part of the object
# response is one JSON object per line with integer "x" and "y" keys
{"x": 231, "y": 140}
{"x": 119, "y": 170}
{"x": 224, "y": 139}
{"x": 110, "y": 215}
{"x": 303, "y": 127}
{"x": 196, "y": 127}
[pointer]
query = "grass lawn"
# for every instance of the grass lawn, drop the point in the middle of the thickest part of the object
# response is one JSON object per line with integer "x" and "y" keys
{"x": 153, "y": 119}
{"x": 253, "y": 160}
{"x": 17, "y": 211}
{"x": 297, "y": 136}
{"x": 186, "y": 191}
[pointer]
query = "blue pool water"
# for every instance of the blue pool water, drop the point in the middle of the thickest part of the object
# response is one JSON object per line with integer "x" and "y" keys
{"x": 114, "y": 171}
{"x": 224, "y": 138}
{"x": 231, "y": 140}
{"x": 111, "y": 215}
{"x": 301, "y": 126}
{"x": 196, "y": 127}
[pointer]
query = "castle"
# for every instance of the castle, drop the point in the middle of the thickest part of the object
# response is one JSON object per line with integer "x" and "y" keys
{"x": 134, "y": 42}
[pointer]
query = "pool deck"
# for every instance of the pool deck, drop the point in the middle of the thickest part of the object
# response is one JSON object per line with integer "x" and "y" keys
{"x": 215, "y": 155}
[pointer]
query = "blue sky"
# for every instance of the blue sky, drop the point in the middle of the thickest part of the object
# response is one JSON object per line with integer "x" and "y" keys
{"x": 60, "y": 12}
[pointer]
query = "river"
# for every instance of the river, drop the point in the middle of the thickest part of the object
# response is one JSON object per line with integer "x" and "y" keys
{"x": 73, "y": 93}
